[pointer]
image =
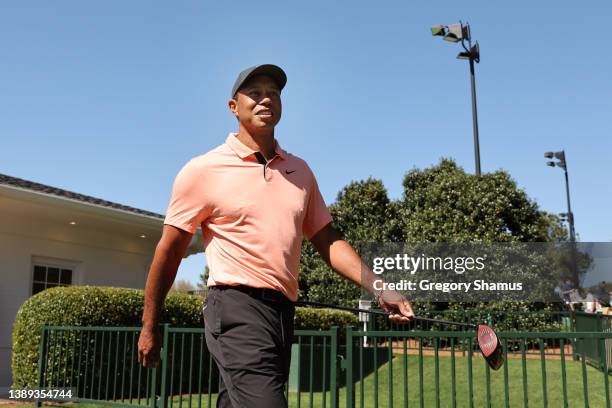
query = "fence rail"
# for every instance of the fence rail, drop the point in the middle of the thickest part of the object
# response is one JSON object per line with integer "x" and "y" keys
{"x": 591, "y": 348}
{"x": 332, "y": 368}
{"x": 549, "y": 380}
{"x": 562, "y": 320}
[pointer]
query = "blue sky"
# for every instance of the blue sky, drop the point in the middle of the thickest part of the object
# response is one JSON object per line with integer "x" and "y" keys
{"x": 111, "y": 98}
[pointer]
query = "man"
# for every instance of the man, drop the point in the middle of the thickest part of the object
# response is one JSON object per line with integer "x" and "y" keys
{"x": 602, "y": 293}
{"x": 565, "y": 290}
{"x": 254, "y": 202}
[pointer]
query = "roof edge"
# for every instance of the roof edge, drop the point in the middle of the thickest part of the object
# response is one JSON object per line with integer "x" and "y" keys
{"x": 27, "y": 186}
{"x": 82, "y": 204}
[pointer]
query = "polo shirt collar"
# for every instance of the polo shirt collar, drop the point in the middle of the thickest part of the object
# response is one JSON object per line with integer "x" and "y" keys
{"x": 277, "y": 149}
{"x": 244, "y": 151}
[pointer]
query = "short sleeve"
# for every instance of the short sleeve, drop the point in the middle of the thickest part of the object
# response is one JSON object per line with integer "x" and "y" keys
{"x": 188, "y": 205}
{"x": 317, "y": 215}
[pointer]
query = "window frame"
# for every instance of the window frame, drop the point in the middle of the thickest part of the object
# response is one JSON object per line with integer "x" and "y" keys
{"x": 47, "y": 263}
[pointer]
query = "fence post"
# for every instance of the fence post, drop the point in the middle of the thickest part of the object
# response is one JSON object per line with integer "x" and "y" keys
{"x": 574, "y": 341}
{"x": 153, "y": 391}
{"x": 604, "y": 368}
{"x": 161, "y": 366}
{"x": 348, "y": 367}
{"x": 333, "y": 367}
{"x": 470, "y": 375}
{"x": 42, "y": 360}
{"x": 599, "y": 328}
{"x": 163, "y": 363}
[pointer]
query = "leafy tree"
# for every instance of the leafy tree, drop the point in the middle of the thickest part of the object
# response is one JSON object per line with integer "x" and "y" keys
{"x": 203, "y": 278}
{"x": 557, "y": 232}
{"x": 445, "y": 204}
{"x": 182, "y": 285}
{"x": 362, "y": 212}
{"x": 440, "y": 204}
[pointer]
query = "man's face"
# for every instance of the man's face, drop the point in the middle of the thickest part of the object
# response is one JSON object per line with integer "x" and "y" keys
{"x": 257, "y": 105}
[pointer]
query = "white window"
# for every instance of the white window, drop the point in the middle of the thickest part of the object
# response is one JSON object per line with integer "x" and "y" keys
{"x": 48, "y": 276}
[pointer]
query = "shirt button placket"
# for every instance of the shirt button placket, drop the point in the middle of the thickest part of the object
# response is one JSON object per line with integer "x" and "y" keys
{"x": 269, "y": 174}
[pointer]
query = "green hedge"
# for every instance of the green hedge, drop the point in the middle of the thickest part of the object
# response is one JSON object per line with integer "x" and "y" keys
{"x": 87, "y": 306}
{"x": 323, "y": 319}
{"x": 103, "y": 306}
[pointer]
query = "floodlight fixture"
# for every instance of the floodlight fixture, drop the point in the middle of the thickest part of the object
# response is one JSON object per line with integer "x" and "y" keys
{"x": 457, "y": 32}
{"x": 473, "y": 54}
{"x": 461, "y": 33}
{"x": 562, "y": 163}
{"x": 560, "y": 156}
{"x": 438, "y": 30}
{"x": 569, "y": 215}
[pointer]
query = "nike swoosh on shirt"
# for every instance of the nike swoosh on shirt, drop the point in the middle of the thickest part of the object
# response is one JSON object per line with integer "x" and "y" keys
{"x": 289, "y": 172}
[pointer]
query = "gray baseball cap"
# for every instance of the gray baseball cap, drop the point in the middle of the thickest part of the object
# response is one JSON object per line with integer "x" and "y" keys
{"x": 273, "y": 71}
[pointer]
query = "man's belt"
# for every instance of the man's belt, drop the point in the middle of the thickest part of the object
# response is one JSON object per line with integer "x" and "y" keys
{"x": 269, "y": 295}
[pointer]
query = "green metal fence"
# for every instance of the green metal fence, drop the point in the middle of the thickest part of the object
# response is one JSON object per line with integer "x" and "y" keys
{"x": 334, "y": 368}
{"x": 591, "y": 348}
{"x": 447, "y": 370}
{"x": 101, "y": 364}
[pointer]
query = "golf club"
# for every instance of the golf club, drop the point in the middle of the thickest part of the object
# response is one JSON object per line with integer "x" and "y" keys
{"x": 488, "y": 342}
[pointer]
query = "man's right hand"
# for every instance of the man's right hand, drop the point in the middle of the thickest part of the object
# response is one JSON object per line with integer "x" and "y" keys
{"x": 149, "y": 346}
{"x": 167, "y": 258}
{"x": 398, "y": 307}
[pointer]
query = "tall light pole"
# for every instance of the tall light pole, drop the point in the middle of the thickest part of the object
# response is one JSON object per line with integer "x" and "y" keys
{"x": 562, "y": 163}
{"x": 461, "y": 33}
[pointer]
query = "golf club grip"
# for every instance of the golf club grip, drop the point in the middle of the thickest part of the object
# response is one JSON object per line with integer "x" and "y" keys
{"x": 380, "y": 312}
{"x": 448, "y": 322}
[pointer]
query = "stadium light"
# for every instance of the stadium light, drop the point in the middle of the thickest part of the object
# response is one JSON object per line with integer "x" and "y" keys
{"x": 562, "y": 163}
{"x": 461, "y": 33}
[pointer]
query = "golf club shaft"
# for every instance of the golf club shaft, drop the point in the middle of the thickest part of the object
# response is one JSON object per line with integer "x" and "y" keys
{"x": 380, "y": 312}
{"x": 447, "y": 322}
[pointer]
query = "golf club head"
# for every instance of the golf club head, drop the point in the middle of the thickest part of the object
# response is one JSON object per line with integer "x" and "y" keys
{"x": 490, "y": 346}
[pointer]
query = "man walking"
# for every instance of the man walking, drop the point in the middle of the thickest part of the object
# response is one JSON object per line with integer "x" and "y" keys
{"x": 255, "y": 202}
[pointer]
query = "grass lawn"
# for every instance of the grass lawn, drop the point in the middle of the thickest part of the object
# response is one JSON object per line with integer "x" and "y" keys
{"x": 595, "y": 384}
{"x": 575, "y": 392}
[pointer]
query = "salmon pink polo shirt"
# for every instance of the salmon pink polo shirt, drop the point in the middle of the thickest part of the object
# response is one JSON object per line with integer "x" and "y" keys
{"x": 253, "y": 214}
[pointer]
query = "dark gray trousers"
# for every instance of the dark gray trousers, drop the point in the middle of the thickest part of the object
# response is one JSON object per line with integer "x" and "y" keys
{"x": 250, "y": 340}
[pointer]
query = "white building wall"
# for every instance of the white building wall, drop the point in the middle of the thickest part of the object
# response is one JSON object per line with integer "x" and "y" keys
{"x": 103, "y": 257}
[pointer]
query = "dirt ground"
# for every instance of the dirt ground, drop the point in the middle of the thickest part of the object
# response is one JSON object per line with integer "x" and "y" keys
{"x": 551, "y": 353}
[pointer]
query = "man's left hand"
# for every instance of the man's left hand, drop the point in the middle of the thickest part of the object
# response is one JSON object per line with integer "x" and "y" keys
{"x": 397, "y": 305}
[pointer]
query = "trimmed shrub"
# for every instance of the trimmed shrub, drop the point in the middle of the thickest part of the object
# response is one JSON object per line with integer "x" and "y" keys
{"x": 323, "y": 319}
{"x": 87, "y": 306}
{"x": 113, "y": 307}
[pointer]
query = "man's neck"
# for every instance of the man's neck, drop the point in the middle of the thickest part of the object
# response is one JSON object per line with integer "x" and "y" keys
{"x": 261, "y": 142}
